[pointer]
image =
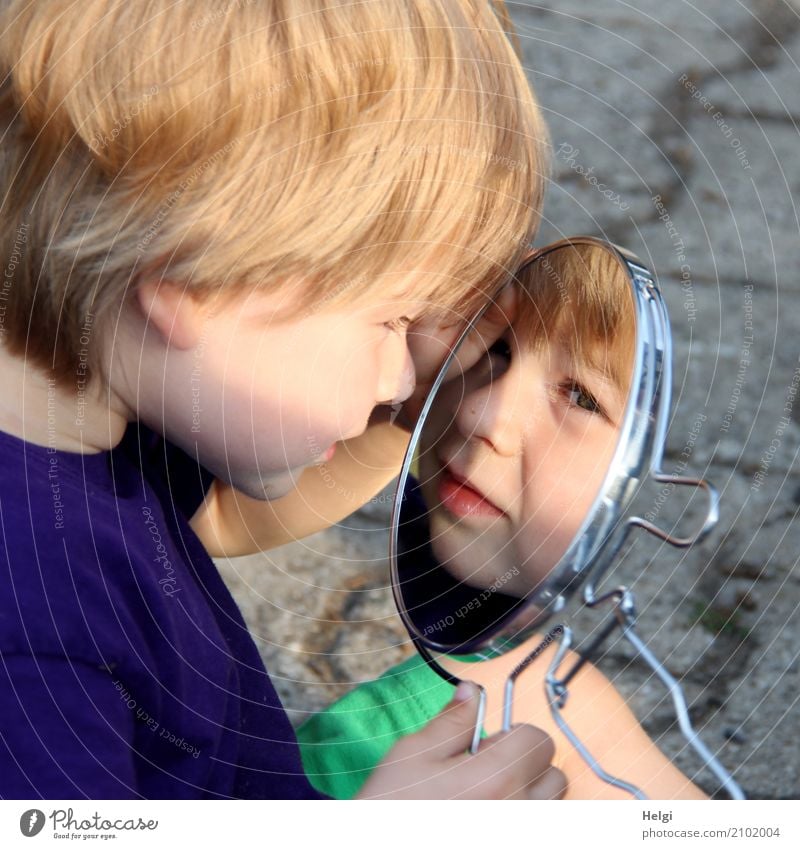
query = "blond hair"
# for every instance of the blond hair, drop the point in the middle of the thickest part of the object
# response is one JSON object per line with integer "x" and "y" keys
{"x": 228, "y": 145}
{"x": 581, "y": 296}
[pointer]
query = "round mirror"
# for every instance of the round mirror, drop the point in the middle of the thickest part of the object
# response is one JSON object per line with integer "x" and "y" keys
{"x": 520, "y": 479}
{"x": 522, "y": 461}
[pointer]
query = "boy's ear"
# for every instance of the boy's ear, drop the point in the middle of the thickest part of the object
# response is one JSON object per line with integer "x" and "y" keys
{"x": 173, "y": 311}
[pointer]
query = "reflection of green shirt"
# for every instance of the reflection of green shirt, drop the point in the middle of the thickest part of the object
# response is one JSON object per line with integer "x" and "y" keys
{"x": 343, "y": 744}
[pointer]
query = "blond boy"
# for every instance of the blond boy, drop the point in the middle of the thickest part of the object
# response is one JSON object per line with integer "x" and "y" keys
{"x": 219, "y": 220}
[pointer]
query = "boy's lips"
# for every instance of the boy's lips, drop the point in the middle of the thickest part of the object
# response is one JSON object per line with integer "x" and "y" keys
{"x": 326, "y": 456}
{"x": 461, "y": 498}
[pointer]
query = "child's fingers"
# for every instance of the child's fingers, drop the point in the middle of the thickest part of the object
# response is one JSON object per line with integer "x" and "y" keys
{"x": 434, "y": 763}
{"x": 551, "y": 785}
{"x": 431, "y": 341}
{"x": 503, "y": 310}
{"x": 494, "y": 323}
{"x": 516, "y": 764}
{"x": 450, "y": 733}
{"x": 524, "y": 738}
{"x": 429, "y": 344}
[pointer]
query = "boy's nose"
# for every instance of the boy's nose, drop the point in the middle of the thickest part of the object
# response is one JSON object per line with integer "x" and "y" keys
{"x": 497, "y": 413}
{"x": 399, "y": 378}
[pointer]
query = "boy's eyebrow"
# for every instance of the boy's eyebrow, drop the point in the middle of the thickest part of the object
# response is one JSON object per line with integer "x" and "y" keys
{"x": 608, "y": 382}
{"x": 601, "y": 360}
{"x": 612, "y": 387}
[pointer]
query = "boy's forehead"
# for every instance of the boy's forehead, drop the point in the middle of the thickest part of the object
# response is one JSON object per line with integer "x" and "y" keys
{"x": 410, "y": 289}
{"x": 260, "y": 306}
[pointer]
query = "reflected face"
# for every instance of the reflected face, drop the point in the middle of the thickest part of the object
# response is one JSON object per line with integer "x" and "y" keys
{"x": 513, "y": 455}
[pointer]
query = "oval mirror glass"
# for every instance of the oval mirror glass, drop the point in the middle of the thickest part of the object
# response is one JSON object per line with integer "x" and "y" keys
{"x": 516, "y": 473}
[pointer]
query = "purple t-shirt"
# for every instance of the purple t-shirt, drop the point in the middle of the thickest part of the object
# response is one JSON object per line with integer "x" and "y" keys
{"x": 126, "y": 669}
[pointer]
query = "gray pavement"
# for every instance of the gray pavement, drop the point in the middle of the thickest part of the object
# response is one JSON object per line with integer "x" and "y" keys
{"x": 687, "y": 114}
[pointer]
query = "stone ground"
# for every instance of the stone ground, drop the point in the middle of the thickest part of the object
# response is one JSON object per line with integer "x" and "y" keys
{"x": 688, "y": 115}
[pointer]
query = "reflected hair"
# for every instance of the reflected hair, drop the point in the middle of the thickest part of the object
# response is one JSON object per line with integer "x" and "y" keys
{"x": 580, "y": 296}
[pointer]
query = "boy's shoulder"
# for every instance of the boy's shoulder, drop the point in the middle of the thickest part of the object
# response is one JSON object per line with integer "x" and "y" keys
{"x": 92, "y": 545}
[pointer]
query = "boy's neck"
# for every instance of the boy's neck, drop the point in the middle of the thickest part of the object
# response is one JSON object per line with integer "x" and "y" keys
{"x": 69, "y": 417}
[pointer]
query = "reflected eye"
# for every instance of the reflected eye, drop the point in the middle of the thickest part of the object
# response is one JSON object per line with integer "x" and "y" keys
{"x": 579, "y": 396}
{"x": 501, "y": 349}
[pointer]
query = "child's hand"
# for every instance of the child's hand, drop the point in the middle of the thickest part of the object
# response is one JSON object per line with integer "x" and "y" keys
{"x": 430, "y": 342}
{"x": 434, "y": 763}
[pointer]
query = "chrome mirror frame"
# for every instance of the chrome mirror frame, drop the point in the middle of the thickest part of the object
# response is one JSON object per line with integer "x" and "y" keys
{"x": 638, "y": 455}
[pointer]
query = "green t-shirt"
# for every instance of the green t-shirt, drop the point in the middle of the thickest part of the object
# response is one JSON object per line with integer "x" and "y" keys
{"x": 342, "y": 745}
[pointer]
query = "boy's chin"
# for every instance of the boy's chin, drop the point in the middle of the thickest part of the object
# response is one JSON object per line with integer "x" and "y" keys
{"x": 268, "y": 487}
